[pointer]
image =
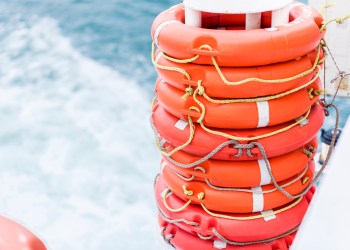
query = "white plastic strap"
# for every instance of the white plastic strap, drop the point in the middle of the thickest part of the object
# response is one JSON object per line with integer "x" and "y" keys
{"x": 263, "y": 113}
{"x": 162, "y": 166}
{"x": 181, "y": 124}
{"x": 270, "y": 217}
{"x": 304, "y": 122}
{"x": 162, "y": 142}
{"x": 160, "y": 27}
{"x": 265, "y": 177}
{"x": 160, "y": 54}
{"x": 258, "y": 199}
{"x": 271, "y": 29}
{"x": 219, "y": 244}
{"x": 253, "y": 21}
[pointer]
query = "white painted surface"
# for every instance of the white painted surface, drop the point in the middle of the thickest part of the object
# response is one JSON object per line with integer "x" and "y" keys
{"x": 253, "y": 21}
{"x": 280, "y": 16}
{"x": 193, "y": 17}
{"x": 326, "y": 224}
{"x": 235, "y": 6}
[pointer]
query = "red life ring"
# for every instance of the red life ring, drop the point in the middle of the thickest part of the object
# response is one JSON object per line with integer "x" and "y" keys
{"x": 238, "y": 115}
{"x": 181, "y": 240}
{"x": 203, "y": 143}
{"x": 237, "y": 228}
{"x": 237, "y": 48}
{"x": 216, "y": 199}
{"x": 243, "y": 173}
{"x": 14, "y": 236}
{"x": 215, "y": 87}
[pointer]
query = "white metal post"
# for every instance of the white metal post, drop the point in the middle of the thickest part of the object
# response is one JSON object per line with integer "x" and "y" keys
{"x": 253, "y": 21}
{"x": 193, "y": 17}
{"x": 280, "y": 16}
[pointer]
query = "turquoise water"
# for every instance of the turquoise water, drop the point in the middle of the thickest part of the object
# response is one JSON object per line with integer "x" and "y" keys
{"x": 76, "y": 151}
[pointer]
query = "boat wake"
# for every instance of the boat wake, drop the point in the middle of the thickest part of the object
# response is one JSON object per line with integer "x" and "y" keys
{"x": 75, "y": 144}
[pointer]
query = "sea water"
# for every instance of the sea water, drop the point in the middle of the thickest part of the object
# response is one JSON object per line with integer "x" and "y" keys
{"x": 77, "y": 158}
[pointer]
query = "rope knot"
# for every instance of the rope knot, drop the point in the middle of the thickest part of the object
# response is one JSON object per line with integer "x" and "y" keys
{"x": 200, "y": 88}
{"x": 187, "y": 192}
{"x": 341, "y": 20}
{"x": 310, "y": 92}
{"x": 189, "y": 92}
{"x": 341, "y": 75}
{"x": 309, "y": 151}
{"x": 240, "y": 148}
{"x": 200, "y": 196}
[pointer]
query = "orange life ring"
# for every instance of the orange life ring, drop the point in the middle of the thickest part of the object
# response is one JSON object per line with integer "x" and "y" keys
{"x": 243, "y": 173}
{"x": 14, "y": 236}
{"x": 215, "y": 87}
{"x": 174, "y": 133}
{"x": 236, "y": 227}
{"x": 239, "y": 201}
{"x": 238, "y": 48}
{"x": 238, "y": 115}
{"x": 181, "y": 240}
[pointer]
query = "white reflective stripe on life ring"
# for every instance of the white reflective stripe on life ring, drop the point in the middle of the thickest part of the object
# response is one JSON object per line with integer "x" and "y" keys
{"x": 258, "y": 199}
{"x": 160, "y": 27}
{"x": 263, "y": 113}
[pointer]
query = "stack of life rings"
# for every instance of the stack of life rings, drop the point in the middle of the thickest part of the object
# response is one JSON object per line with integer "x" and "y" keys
{"x": 236, "y": 118}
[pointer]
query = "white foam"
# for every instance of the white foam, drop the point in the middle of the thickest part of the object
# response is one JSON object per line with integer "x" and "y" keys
{"x": 76, "y": 151}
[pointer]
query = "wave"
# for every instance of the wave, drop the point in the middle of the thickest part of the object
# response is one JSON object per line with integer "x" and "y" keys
{"x": 76, "y": 150}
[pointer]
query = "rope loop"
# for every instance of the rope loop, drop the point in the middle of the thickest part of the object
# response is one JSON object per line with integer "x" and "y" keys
{"x": 338, "y": 20}
{"x": 218, "y": 69}
{"x": 174, "y": 210}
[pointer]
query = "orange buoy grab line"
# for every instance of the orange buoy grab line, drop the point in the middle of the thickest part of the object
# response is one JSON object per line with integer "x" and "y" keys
{"x": 181, "y": 240}
{"x": 242, "y": 114}
{"x": 234, "y": 173}
{"x": 230, "y": 48}
{"x": 225, "y": 82}
{"x": 241, "y": 201}
{"x": 268, "y": 224}
{"x": 171, "y": 132}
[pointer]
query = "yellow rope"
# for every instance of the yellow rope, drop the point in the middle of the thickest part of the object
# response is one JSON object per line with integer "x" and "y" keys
{"x": 231, "y": 137}
{"x": 192, "y": 131}
{"x": 186, "y": 191}
{"x": 182, "y": 61}
{"x": 174, "y": 210}
{"x": 325, "y": 7}
{"x": 153, "y": 102}
{"x": 338, "y": 20}
{"x": 182, "y": 71}
{"x": 224, "y": 79}
{"x": 222, "y": 76}
{"x": 189, "y": 91}
{"x": 251, "y": 217}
